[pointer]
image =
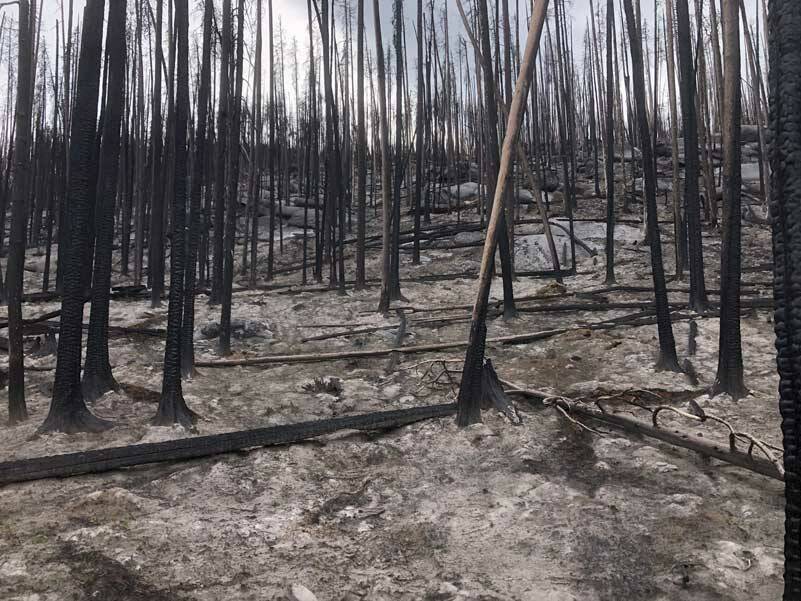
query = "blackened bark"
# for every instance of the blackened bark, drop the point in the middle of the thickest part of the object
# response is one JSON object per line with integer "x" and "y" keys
{"x": 172, "y": 407}
{"x": 730, "y": 356}
{"x": 155, "y": 259}
{"x": 222, "y": 141}
{"x": 361, "y": 150}
{"x": 784, "y": 79}
{"x": 17, "y": 409}
{"x": 610, "y": 147}
{"x": 667, "y": 345}
{"x": 233, "y": 189}
{"x": 68, "y": 412}
{"x": 493, "y": 155}
{"x": 97, "y": 376}
{"x": 188, "y": 323}
{"x": 692, "y": 202}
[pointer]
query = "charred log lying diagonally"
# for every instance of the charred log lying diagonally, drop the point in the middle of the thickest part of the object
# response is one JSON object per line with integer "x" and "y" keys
{"x": 103, "y": 460}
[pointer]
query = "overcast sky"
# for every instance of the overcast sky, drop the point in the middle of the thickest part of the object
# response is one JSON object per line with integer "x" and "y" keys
{"x": 293, "y": 18}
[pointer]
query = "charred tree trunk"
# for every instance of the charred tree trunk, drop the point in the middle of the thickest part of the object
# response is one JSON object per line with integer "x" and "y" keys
{"x": 204, "y": 94}
{"x": 68, "y": 412}
{"x": 469, "y": 400}
{"x": 784, "y": 77}
{"x": 172, "y": 407}
{"x": 610, "y": 146}
{"x": 730, "y": 357}
{"x": 17, "y": 409}
{"x": 233, "y": 189}
{"x": 155, "y": 258}
{"x": 667, "y": 346}
{"x": 692, "y": 204}
{"x": 97, "y": 376}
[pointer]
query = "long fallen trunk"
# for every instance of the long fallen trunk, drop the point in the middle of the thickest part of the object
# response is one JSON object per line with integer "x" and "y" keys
{"x": 674, "y": 437}
{"x": 103, "y": 460}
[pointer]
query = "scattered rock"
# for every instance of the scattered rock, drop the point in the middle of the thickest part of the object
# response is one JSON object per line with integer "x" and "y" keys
{"x": 240, "y": 329}
{"x": 298, "y": 592}
{"x": 468, "y": 237}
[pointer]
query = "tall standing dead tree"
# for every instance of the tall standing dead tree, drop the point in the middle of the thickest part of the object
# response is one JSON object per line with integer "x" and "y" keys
{"x": 730, "y": 356}
{"x": 68, "y": 412}
{"x": 667, "y": 345}
{"x": 17, "y": 409}
{"x": 784, "y": 77}
{"x": 97, "y": 376}
{"x": 172, "y": 407}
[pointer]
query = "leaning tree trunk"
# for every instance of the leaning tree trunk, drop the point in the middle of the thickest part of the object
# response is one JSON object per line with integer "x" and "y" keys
{"x": 68, "y": 412}
{"x": 97, "y": 376}
{"x": 17, "y": 410}
{"x": 667, "y": 345}
{"x": 172, "y": 407}
{"x": 730, "y": 356}
{"x": 784, "y": 77}
{"x": 469, "y": 400}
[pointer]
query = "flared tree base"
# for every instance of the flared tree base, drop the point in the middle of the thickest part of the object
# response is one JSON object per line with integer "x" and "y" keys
{"x": 668, "y": 362}
{"x": 173, "y": 410}
{"x": 72, "y": 421}
{"x": 94, "y": 385}
{"x": 732, "y": 385}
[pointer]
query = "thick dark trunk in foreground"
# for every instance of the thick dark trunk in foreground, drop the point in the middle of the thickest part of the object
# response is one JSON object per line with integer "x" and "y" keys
{"x": 667, "y": 345}
{"x": 188, "y": 323}
{"x": 97, "y": 376}
{"x": 68, "y": 412}
{"x": 17, "y": 410}
{"x": 784, "y": 77}
{"x": 172, "y": 408}
{"x": 692, "y": 203}
{"x": 730, "y": 356}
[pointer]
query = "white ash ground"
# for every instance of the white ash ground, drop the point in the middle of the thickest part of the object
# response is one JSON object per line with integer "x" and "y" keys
{"x": 542, "y": 511}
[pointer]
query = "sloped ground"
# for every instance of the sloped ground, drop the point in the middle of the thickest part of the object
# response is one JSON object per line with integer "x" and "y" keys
{"x": 541, "y": 511}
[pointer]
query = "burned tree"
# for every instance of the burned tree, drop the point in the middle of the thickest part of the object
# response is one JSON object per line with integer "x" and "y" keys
{"x": 172, "y": 407}
{"x": 68, "y": 412}
{"x": 97, "y": 376}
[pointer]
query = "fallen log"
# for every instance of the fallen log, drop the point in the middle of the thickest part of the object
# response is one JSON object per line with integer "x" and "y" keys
{"x": 103, "y": 460}
{"x": 421, "y": 348}
{"x": 637, "y": 426}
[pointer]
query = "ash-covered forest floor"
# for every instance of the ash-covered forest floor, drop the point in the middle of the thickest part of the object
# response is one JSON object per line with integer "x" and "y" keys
{"x": 540, "y": 511}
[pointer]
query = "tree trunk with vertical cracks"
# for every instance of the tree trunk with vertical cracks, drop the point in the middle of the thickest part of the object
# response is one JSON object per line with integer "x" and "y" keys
{"x": 97, "y": 376}
{"x": 68, "y": 412}
{"x": 784, "y": 78}
{"x": 172, "y": 407}
{"x": 17, "y": 409}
